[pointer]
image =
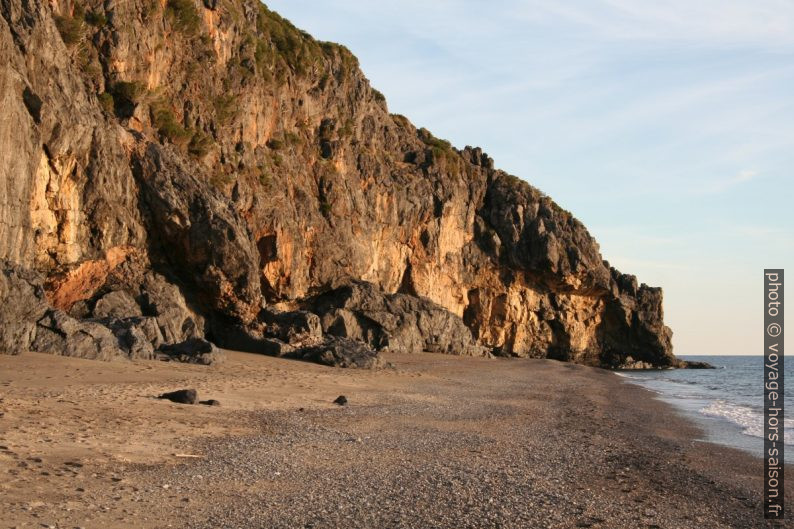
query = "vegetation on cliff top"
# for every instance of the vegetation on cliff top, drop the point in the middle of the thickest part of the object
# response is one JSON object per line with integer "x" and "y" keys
{"x": 268, "y": 52}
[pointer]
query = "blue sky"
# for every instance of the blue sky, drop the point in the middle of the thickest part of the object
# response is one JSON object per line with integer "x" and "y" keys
{"x": 666, "y": 127}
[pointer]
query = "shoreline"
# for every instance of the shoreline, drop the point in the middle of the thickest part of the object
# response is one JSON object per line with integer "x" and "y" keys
{"x": 438, "y": 441}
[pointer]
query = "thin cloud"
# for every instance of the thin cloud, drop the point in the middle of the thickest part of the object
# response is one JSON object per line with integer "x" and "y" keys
{"x": 720, "y": 186}
{"x": 714, "y": 22}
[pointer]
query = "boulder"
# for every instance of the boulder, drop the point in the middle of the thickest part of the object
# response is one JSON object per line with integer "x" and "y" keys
{"x": 137, "y": 336}
{"x": 348, "y": 324}
{"x": 59, "y": 333}
{"x": 690, "y": 364}
{"x": 339, "y": 352}
{"x": 23, "y": 304}
{"x": 192, "y": 351}
{"x": 239, "y": 338}
{"x": 181, "y": 396}
{"x": 164, "y": 301}
{"x": 398, "y": 322}
{"x": 117, "y": 304}
{"x": 296, "y": 328}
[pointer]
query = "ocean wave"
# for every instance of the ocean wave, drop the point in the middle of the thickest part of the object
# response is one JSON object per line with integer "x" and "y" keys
{"x": 749, "y": 420}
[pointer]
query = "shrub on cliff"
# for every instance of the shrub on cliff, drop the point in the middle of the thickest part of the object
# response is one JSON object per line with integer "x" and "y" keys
{"x": 225, "y": 108}
{"x": 167, "y": 125}
{"x": 96, "y": 19}
{"x": 183, "y": 16}
{"x": 70, "y": 28}
{"x": 126, "y": 96}
{"x": 428, "y": 139}
{"x": 200, "y": 144}
{"x": 439, "y": 149}
{"x": 220, "y": 179}
{"x": 378, "y": 95}
{"x": 106, "y": 102}
{"x": 128, "y": 91}
{"x": 296, "y": 49}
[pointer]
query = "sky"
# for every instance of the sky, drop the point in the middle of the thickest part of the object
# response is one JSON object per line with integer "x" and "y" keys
{"x": 666, "y": 127}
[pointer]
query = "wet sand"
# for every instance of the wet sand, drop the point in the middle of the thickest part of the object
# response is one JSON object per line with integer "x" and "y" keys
{"x": 435, "y": 441}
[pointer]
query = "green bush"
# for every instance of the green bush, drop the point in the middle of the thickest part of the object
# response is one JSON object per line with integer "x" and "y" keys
{"x": 428, "y": 139}
{"x": 129, "y": 91}
{"x": 88, "y": 63}
{"x": 401, "y": 120}
{"x": 263, "y": 175}
{"x": 262, "y": 54}
{"x": 221, "y": 179}
{"x": 183, "y": 16}
{"x": 96, "y": 19}
{"x": 225, "y": 108}
{"x": 70, "y": 28}
{"x": 378, "y": 95}
{"x": 296, "y": 49}
{"x": 275, "y": 144}
{"x": 106, "y": 102}
{"x": 167, "y": 125}
{"x": 200, "y": 144}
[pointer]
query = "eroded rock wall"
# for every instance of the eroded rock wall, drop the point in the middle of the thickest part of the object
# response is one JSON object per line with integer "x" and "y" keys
{"x": 252, "y": 165}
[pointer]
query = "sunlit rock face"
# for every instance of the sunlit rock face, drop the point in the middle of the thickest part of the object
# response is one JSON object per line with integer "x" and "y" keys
{"x": 247, "y": 165}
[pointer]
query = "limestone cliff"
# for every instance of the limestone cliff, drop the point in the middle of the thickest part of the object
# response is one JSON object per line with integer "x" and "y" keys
{"x": 215, "y": 150}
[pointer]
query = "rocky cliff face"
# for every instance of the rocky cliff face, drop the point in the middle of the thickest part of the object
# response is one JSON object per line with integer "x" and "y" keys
{"x": 217, "y": 166}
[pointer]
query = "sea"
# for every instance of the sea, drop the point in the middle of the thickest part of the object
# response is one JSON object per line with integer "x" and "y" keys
{"x": 727, "y": 402}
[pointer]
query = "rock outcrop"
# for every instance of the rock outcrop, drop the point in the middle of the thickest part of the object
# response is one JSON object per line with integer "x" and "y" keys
{"x": 398, "y": 322}
{"x": 187, "y": 170}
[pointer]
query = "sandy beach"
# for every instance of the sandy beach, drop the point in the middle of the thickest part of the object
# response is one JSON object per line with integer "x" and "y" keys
{"x": 432, "y": 441}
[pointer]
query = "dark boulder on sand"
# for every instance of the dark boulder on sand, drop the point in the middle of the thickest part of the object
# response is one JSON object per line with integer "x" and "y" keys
{"x": 181, "y": 396}
{"x": 192, "y": 351}
{"x": 339, "y": 352}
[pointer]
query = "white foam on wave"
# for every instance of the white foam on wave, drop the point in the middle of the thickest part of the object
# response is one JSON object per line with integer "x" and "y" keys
{"x": 751, "y": 421}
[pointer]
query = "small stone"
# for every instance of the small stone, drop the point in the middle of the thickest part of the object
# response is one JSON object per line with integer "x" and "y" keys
{"x": 341, "y": 400}
{"x": 210, "y": 402}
